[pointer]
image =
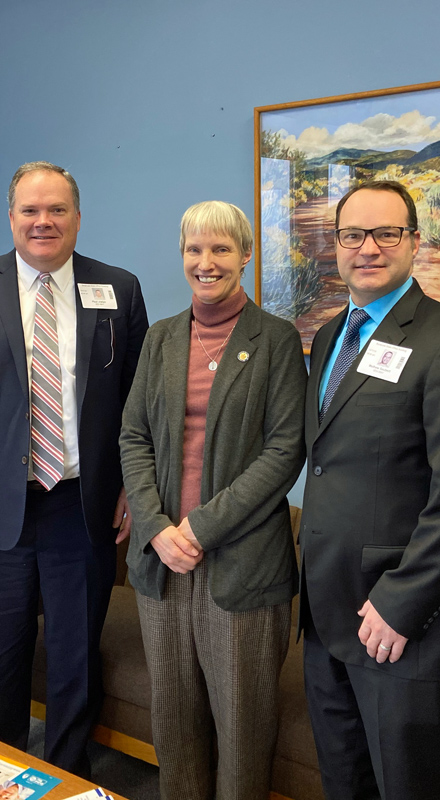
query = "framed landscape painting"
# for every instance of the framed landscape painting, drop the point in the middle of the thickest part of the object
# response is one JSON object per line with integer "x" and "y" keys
{"x": 307, "y": 156}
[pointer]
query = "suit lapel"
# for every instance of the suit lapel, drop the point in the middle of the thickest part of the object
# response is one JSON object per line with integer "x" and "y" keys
{"x": 319, "y": 357}
{"x": 10, "y": 315}
{"x": 85, "y": 328}
{"x": 230, "y": 367}
{"x": 175, "y": 354}
{"x": 391, "y": 331}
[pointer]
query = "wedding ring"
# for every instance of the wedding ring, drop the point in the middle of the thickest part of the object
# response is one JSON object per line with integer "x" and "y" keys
{"x": 385, "y": 648}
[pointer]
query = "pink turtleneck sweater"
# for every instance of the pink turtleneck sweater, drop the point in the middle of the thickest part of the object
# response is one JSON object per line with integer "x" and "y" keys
{"x": 214, "y": 322}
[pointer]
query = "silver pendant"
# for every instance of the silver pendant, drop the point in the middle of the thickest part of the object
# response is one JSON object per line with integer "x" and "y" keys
{"x": 212, "y": 365}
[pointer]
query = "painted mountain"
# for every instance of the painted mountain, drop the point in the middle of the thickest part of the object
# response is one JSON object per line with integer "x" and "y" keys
{"x": 428, "y": 153}
{"x": 377, "y": 159}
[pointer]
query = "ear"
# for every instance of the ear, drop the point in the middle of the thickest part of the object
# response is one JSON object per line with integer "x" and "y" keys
{"x": 247, "y": 257}
{"x": 416, "y": 240}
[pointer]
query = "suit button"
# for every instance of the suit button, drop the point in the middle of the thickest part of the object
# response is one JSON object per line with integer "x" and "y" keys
{"x": 431, "y": 619}
{"x": 26, "y": 416}
{"x": 425, "y": 627}
{"x": 317, "y": 471}
{"x": 24, "y": 460}
{"x": 435, "y": 614}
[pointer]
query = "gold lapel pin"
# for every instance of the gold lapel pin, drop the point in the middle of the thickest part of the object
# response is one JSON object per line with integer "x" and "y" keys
{"x": 243, "y": 355}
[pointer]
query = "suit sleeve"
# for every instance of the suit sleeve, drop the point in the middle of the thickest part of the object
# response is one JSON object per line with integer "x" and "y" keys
{"x": 408, "y": 598}
{"x": 256, "y": 493}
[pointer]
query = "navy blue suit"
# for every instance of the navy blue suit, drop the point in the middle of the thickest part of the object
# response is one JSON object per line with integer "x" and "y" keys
{"x": 62, "y": 541}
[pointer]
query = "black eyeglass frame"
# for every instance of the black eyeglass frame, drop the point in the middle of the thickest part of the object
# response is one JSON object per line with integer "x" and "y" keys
{"x": 366, "y": 231}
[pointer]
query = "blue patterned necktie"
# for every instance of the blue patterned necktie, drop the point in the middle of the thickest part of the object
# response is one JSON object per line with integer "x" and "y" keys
{"x": 346, "y": 356}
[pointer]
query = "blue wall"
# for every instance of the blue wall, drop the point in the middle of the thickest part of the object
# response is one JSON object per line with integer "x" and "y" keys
{"x": 149, "y": 103}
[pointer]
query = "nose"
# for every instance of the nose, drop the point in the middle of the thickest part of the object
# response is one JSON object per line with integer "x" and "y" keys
{"x": 205, "y": 259}
{"x": 369, "y": 246}
{"x": 43, "y": 219}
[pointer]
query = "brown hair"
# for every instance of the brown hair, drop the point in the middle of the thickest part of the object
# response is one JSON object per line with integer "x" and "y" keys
{"x": 383, "y": 186}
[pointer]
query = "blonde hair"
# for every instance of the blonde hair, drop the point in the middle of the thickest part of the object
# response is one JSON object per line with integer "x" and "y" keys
{"x": 218, "y": 217}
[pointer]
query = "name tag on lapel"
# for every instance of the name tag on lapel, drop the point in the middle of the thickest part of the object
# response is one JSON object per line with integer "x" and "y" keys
{"x": 384, "y": 360}
{"x": 97, "y": 295}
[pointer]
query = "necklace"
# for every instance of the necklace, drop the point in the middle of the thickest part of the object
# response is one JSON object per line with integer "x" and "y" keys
{"x": 212, "y": 361}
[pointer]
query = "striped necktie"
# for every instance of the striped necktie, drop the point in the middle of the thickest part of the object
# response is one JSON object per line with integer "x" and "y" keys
{"x": 347, "y": 354}
{"x": 46, "y": 397}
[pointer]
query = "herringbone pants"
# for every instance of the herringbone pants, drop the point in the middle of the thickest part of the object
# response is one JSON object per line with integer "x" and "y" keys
{"x": 211, "y": 667}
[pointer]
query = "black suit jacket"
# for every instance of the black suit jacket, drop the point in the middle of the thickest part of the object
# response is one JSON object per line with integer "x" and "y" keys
{"x": 101, "y": 392}
{"x": 371, "y": 521}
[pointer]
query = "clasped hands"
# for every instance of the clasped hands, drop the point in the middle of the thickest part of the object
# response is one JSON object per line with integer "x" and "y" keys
{"x": 178, "y": 548}
{"x": 381, "y": 641}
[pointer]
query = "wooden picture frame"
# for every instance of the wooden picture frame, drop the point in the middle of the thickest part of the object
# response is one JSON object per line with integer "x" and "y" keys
{"x": 308, "y": 154}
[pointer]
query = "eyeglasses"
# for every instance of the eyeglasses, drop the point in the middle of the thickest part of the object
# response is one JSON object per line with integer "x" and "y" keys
{"x": 353, "y": 238}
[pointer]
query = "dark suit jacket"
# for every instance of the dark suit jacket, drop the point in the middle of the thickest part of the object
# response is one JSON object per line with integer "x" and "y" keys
{"x": 371, "y": 521}
{"x": 253, "y": 454}
{"x": 101, "y": 392}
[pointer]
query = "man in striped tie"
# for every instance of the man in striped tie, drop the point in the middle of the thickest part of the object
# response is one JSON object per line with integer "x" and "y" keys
{"x": 71, "y": 330}
{"x": 370, "y": 537}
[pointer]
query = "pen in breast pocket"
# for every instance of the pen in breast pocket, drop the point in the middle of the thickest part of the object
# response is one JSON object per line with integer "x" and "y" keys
{"x": 112, "y": 342}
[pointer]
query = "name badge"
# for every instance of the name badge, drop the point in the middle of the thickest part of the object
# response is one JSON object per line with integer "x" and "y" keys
{"x": 384, "y": 360}
{"x": 97, "y": 295}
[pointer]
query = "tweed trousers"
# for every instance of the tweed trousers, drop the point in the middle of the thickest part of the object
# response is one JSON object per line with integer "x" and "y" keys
{"x": 212, "y": 672}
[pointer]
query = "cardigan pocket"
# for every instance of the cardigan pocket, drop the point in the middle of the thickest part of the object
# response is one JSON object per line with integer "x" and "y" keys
{"x": 266, "y": 556}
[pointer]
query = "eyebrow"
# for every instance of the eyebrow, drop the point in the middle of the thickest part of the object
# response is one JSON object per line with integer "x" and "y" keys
{"x": 61, "y": 204}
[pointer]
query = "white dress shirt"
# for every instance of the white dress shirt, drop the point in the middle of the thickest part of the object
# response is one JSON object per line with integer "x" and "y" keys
{"x": 63, "y": 286}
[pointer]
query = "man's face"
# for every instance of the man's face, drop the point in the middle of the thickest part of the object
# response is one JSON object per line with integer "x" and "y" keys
{"x": 370, "y": 271}
{"x": 44, "y": 222}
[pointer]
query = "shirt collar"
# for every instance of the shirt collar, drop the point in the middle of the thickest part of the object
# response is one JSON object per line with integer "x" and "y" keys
{"x": 379, "y": 308}
{"x": 28, "y": 275}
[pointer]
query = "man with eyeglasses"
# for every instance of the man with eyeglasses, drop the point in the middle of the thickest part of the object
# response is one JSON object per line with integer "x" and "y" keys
{"x": 370, "y": 537}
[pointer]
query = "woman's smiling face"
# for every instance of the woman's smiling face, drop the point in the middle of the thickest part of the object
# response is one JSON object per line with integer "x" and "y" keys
{"x": 213, "y": 264}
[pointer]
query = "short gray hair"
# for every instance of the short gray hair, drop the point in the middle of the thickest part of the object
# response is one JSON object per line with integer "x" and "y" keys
{"x": 218, "y": 217}
{"x": 38, "y": 166}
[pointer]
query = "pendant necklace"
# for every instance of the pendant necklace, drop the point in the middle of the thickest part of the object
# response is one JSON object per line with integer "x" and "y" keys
{"x": 212, "y": 361}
